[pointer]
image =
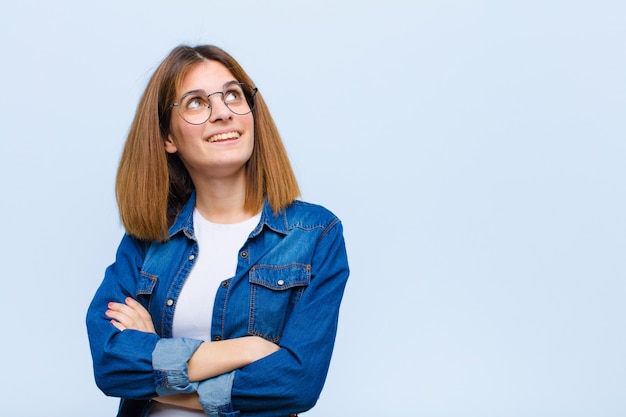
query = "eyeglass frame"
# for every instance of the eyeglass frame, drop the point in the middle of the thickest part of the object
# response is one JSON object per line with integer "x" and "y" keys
{"x": 254, "y": 90}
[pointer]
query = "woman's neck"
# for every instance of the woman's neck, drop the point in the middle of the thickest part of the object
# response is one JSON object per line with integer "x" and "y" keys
{"x": 222, "y": 200}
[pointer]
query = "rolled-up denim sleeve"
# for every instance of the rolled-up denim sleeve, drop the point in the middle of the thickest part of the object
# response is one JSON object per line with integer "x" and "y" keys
{"x": 169, "y": 360}
{"x": 214, "y": 396}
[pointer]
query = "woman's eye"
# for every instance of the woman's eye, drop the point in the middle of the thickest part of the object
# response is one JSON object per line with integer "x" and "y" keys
{"x": 232, "y": 95}
{"x": 195, "y": 103}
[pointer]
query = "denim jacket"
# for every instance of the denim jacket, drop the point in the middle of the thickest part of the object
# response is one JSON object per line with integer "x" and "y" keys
{"x": 290, "y": 278}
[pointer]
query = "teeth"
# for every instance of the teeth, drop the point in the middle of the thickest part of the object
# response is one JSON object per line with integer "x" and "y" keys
{"x": 224, "y": 136}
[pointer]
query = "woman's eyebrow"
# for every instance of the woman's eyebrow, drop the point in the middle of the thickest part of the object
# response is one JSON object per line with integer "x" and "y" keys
{"x": 229, "y": 83}
{"x": 197, "y": 91}
{"x": 201, "y": 91}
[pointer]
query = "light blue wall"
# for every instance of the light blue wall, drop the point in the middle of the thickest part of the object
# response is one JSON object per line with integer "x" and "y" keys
{"x": 474, "y": 150}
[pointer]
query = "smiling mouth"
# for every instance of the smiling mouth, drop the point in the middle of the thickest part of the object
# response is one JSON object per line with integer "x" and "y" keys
{"x": 220, "y": 137}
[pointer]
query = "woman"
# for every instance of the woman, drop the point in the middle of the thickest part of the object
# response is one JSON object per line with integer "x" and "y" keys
{"x": 224, "y": 296}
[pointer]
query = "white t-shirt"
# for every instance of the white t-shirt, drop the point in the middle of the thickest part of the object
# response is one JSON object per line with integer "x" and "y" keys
{"x": 218, "y": 248}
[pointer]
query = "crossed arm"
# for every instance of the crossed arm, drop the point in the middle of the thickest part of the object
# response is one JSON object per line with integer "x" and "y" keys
{"x": 209, "y": 360}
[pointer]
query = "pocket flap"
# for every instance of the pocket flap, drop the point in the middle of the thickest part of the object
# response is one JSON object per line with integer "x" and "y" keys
{"x": 281, "y": 277}
{"x": 146, "y": 283}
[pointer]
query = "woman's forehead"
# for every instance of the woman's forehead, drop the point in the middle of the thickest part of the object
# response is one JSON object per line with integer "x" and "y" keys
{"x": 207, "y": 75}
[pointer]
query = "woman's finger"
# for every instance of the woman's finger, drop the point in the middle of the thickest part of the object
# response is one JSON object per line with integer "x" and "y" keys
{"x": 138, "y": 308}
{"x": 119, "y": 326}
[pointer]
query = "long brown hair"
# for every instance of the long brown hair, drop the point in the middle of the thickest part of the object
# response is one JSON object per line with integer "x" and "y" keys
{"x": 152, "y": 185}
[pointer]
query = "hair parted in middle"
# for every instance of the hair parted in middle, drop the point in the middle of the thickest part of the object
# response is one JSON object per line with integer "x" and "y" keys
{"x": 152, "y": 185}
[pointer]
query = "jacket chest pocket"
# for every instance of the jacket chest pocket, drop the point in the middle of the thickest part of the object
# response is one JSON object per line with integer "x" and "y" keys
{"x": 274, "y": 292}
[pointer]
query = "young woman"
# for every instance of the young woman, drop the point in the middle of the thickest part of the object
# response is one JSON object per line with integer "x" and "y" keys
{"x": 224, "y": 296}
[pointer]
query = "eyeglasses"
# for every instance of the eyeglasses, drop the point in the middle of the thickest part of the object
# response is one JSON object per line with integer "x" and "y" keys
{"x": 195, "y": 107}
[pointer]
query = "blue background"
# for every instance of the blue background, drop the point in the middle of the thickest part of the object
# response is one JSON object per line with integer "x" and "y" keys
{"x": 474, "y": 150}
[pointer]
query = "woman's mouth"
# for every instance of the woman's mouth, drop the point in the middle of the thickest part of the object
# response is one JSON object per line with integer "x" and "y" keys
{"x": 220, "y": 137}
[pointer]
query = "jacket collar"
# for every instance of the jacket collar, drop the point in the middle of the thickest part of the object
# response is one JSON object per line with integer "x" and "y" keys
{"x": 184, "y": 220}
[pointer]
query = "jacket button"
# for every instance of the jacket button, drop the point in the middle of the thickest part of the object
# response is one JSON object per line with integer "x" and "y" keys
{"x": 217, "y": 338}
{"x": 281, "y": 282}
{"x": 244, "y": 254}
{"x": 191, "y": 257}
{"x": 169, "y": 302}
{"x": 224, "y": 284}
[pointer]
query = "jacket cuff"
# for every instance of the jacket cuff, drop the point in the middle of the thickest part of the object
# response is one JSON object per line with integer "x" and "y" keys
{"x": 214, "y": 395}
{"x": 169, "y": 362}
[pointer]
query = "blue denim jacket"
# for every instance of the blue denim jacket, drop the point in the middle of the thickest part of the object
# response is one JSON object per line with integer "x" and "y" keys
{"x": 290, "y": 278}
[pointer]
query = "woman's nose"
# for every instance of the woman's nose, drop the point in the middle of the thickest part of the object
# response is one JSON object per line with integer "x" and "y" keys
{"x": 219, "y": 110}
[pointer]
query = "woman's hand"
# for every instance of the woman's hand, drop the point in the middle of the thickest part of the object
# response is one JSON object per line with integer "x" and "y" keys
{"x": 130, "y": 316}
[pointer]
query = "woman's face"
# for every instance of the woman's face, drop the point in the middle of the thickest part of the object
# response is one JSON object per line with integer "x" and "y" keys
{"x": 222, "y": 145}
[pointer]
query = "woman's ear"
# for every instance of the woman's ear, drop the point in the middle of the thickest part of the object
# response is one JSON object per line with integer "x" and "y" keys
{"x": 170, "y": 146}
